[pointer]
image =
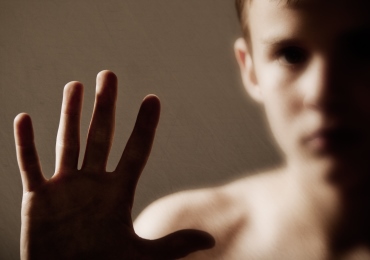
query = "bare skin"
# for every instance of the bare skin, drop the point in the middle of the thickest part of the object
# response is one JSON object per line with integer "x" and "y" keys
{"x": 308, "y": 65}
{"x": 86, "y": 213}
{"x": 310, "y": 72}
{"x": 260, "y": 217}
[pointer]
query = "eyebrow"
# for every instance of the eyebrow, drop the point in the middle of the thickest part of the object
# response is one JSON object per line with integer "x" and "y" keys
{"x": 280, "y": 41}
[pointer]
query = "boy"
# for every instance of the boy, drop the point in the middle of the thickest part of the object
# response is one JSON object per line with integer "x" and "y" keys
{"x": 307, "y": 63}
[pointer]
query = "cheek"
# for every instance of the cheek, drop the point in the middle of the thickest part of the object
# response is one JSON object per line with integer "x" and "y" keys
{"x": 363, "y": 102}
{"x": 283, "y": 105}
{"x": 282, "y": 98}
{"x": 355, "y": 98}
{"x": 283, "y": 110}
{"x": 360, "y": 114}
{"x": 283, "y": 102}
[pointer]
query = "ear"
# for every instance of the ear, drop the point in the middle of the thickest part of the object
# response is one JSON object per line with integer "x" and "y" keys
{"x": 244, "y": 58}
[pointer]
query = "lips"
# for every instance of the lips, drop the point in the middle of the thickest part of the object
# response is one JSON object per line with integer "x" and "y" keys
{"x": 333, "y": 138}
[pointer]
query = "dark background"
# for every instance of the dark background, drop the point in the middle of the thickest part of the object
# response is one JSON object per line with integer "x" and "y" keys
{"x": 210, "y": 132}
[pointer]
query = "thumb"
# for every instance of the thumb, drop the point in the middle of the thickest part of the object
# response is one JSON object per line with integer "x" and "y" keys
{"x": 181, "y": 243}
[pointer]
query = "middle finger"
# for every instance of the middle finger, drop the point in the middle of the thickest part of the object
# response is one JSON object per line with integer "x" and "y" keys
{"x": 101, "y": 128}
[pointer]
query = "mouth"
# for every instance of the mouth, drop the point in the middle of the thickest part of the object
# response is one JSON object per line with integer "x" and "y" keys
{"x": 334, "y": 139}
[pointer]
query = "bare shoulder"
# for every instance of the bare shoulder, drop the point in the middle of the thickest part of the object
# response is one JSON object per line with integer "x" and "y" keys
{"x": 217, "y": 210}
{"x": 182, "y": 210}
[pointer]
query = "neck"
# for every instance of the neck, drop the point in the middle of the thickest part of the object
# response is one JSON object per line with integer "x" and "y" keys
{"x": 339, "y": 196}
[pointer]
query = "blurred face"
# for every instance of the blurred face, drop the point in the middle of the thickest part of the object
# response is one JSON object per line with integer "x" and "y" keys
{"x": 310, "y": 64}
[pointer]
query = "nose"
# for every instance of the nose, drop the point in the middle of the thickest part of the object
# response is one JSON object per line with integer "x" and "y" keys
{"x": 324, "y": 86}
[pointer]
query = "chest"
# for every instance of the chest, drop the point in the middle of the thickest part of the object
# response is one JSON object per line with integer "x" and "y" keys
{"x": 254, "y": 242}
{"x": 270, "y": 243}
{"x": 289, "y": 245}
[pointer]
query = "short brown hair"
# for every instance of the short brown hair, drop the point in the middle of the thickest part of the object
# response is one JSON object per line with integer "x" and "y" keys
{"x": 242, "y": 15}
{"x": 241, "y": 8}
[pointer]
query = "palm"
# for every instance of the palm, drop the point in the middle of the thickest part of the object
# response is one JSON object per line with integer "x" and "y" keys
{"x": 86, "y": 213}
{"x": 87, "y": 210}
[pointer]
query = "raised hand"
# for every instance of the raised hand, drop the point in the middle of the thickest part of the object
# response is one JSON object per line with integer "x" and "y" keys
{"x": 86, "y": 213}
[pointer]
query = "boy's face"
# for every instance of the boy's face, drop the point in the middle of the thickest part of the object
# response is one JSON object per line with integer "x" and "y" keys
{"x": 310, "y": 66}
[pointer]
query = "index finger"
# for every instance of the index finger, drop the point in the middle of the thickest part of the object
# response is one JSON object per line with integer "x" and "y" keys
{"x": 138, "y": 147}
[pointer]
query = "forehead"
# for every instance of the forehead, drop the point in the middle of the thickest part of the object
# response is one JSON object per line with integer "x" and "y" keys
{"x": 315, "y": 19}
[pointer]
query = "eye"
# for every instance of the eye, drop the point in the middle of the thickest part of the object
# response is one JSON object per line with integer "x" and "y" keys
{"x": 292, "y": 56}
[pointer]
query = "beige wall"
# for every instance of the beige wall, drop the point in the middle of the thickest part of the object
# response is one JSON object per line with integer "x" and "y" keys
{"x": 209, "y": 132}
